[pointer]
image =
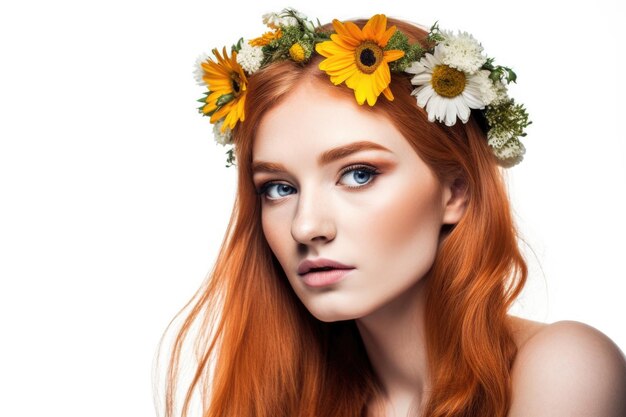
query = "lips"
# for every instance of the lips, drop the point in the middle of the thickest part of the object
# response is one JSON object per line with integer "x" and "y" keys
{"x": 321, "y": 264}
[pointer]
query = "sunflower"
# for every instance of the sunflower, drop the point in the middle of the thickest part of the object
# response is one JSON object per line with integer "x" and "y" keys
{"x": 227, "y": 84}
{"x": 357, "y": 57}
{"x": 445, "y": 92}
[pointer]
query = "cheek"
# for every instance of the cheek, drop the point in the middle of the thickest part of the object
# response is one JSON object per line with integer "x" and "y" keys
{"x": 277, "y": 233}
{"x": 403, "y": 226}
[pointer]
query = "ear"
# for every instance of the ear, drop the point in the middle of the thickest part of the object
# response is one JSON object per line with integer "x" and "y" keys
{"x": 455, "y": 196}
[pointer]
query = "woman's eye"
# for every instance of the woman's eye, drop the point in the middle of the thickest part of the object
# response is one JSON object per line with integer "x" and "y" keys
{"x": 358, "y": 176}
{"x": 355, "y": 176}
{"x": 274, "y": 191}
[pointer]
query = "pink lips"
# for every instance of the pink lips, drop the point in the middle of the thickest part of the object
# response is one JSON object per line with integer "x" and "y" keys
{"x": 314, "y": 276}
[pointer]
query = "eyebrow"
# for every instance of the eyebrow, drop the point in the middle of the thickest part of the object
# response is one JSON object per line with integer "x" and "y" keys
{"x": 327, "y": 157}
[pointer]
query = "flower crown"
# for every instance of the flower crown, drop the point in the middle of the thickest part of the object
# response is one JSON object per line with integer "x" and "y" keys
{"x": 451, "y": 74}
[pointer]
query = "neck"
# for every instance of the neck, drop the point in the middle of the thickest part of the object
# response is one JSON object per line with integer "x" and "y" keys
{"x": 394, "y": 338}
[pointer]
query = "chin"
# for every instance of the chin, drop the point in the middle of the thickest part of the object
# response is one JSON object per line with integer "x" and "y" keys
{"x": 328, "y": 313}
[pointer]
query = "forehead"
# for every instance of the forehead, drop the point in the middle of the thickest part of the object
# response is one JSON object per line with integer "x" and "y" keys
{"x": 314, "y": 118}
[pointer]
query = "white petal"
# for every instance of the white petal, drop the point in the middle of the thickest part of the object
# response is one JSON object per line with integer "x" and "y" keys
{"x": 430, "y": 61}
{"x": 425, "y": 94}
{"x": 472, "y": 98}
{"x": 473, "y": 90}
{"x": 473, "y": 102}
{"x": 431, "y": 108}
{"x": 462, "y": 109}
{"x": 439, "y": 52}
{"x": 422, "y": 78}
{"x": 415, "y": 68}
{"x": 451, "y": 112}
{"x": 440, "y": 106}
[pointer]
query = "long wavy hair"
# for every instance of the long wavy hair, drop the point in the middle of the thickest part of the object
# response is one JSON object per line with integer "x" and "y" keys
{"x": 259, "y": 353}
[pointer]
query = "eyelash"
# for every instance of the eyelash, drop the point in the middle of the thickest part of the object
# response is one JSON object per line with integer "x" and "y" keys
{"x": 262, "y": 191}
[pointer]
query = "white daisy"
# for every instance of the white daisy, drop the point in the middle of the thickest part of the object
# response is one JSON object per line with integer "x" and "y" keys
{"x": 309, "y": 26}
{"x": 274, "y": 20}
{"x": 198, "y": 72}
{"x": 271, "y": 19}
{"x": 288, "y": 21}
{"x": 225, "y": 138}
{"x": 250, "y": 57}
{"x": 292, "y": 21}
{"x": 446, "y": 93}
{"x": 462, "y": 52}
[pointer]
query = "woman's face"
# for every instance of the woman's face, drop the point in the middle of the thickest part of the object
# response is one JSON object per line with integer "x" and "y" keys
{"x": 340, "y": 183}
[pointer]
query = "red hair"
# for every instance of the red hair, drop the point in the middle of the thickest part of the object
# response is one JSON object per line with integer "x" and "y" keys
{"x": 261, "y": 353}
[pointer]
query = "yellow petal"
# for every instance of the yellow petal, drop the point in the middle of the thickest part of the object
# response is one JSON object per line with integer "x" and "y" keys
{"x": 339, "y": 77}
{"x": 388, "y": 94}
{"x": 383, "y": 78}
{"x": 375, "y": 26}
{"x": 370, "y": 94}
{"x": 212, "y": 69}
{"x": 345, "y": 33}
{"x": 336, "y": 63}
{"x": 220, "y": 59}
{"x": 208, "y": 108}
{"x": 384, "y": 38}
{"x": 329, "y": 48}
{"x": 354, "y": 79}
{"x": 346, "y": 42}
{"x": 392, "y": 55}
{"x": 360, "y": 95}
{"x": 362, "y": 86}
{"x": 212, "y": 98}
{"x": 354, "y": 31}
{"x": 235, "y": 115}
{"x": 216, "y": 84}
{"x": 223, "y": 111}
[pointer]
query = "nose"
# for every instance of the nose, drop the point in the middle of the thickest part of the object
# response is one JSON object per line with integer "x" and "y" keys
{"x": 313, "y": 221}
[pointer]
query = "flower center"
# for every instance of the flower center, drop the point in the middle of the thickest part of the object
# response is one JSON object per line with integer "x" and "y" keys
{"x": 448, "y": 82}
{"x": 297, "y": 52}
{"x": 235, "y": 82}
{"x": 368, "y": 57}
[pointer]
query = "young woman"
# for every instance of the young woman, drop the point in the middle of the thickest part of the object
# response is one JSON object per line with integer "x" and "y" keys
{"x": 371, "y": 256}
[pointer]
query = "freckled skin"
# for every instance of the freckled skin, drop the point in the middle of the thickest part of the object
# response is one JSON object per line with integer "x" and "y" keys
{"x": 388, "y": 229}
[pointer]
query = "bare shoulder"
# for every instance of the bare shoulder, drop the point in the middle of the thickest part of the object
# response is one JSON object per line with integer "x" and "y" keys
{"x": 566, "y": 369}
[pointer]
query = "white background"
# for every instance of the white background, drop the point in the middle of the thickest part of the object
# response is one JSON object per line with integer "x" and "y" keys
{"x": 114, "y": 197}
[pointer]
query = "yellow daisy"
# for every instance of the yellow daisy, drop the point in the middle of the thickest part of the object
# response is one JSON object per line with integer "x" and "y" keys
{"x": 227, "y": 89}
{"x": 357, "y": 57}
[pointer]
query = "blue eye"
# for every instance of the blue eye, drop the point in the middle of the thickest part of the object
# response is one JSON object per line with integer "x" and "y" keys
{"x": 359, "y": 175}
{"x": 274, "y": 191}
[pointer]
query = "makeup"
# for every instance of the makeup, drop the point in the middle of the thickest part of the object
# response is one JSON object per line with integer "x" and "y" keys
{"x": 324, "y": 278}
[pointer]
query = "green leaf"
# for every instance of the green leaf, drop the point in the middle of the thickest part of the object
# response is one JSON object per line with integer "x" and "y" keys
{"x": 511, "y": 76}
{"x": 230, "y": 158}
{"x": 237, "y": 47}
{"x": 488, "y": 65}
{"x": 434, "y": 35}
{"x": 224, "y": 98}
